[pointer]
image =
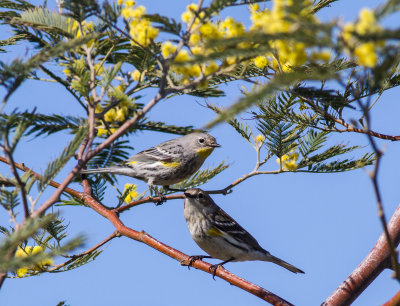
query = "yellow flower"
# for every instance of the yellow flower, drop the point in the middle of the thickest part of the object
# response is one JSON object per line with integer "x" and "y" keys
{"x": 130, "y": 3}
{"x": 260, "y": 138}
{"x": 211, "y": 68}
{"x": 135, "y": 75}
{"x": 182, "y": 56}
{"x": 121, "y": 114}
{"x": 132, "y": 194}
{"x": 260, "y": 61}
{"x": 290, "y": 165}
{"x": 67, "y": 72}
{"x": 367, "y": 22}
{"x": 119, "y": 2}
{"x": 366, "y": 54}
{"x": 101, "y": 132}
{"x": 167, "y": 49}
{"x": 110, "y": 115}
{"x": 289, "y": 161}
{"x": 29, "y": 250}
{"x": 186, "y": 17}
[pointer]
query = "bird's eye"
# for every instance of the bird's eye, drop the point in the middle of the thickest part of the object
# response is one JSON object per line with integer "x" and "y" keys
{"x": 201, "y": 196}
{"x": 201, "y": 140}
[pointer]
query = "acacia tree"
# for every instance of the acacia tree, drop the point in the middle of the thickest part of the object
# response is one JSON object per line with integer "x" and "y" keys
{"x": 307, "y": 79}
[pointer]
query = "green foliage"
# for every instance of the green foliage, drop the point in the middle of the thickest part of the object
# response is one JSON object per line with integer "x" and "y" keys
{"x": 55, "y": 166}
{"x": 201, "y": 177}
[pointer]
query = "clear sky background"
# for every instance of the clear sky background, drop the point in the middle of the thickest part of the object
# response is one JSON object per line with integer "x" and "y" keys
{"x": 325, "y": 224}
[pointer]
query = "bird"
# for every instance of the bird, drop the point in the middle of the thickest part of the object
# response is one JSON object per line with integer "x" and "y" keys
{"x": 167, "y": 163}
{"x": 220, "y": 236}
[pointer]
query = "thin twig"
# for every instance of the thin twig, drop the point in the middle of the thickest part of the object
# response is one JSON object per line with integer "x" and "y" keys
{"x": 349, "y": 128}
{"x": 21, "y": 185}
{"x": 75, "y": 257}
{"x": 374, "y": 179}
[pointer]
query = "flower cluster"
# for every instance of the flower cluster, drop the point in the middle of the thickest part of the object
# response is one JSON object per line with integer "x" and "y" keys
{"x": 283, "y": 18}
{"x": 365, "y": 52}
{"x": 140, "y": 28}
{"x": 132, "y": 193}
{"x": 288, "y": 162}
{"x": 30, "y": 250}
{"x": 114, "y": 116}
{"x": 202, "y": 31}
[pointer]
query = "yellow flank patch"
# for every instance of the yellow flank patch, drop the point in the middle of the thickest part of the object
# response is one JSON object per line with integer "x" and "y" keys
{"x": 214, "y": 232}
{"x": 204, "y": 152}
{"x": 132, "y": 162}
{"x": 171, "y": 165}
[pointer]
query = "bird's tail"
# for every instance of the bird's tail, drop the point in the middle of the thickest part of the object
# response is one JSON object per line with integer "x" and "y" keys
{"x": 111, "y": 170}
{"x": 283, "y": 263}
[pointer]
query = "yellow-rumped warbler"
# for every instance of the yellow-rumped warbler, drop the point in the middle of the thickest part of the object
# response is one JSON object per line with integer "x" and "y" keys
{"x": 219, "y": 235}
{"x": 167, "y": 163}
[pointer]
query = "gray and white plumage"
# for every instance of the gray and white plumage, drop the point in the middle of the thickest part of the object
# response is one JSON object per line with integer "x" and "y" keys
{"x": 167, "y": 163}
{"x": 219, "y": 235}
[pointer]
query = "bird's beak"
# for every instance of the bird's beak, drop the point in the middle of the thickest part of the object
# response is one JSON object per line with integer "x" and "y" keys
{"x": 215, "y": 145}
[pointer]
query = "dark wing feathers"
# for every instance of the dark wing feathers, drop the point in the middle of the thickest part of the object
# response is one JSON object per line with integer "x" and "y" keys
{"x": 226, "y": 224}
{"x": 162, "y": 152}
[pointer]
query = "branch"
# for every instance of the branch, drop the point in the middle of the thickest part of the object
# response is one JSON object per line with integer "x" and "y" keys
{"x": 113, "y": 216}
{"x": 373, "y": 264}
{"x": 348, "y": 127}
{"x": 394, "y": 301}
{"x": 75, "y": 257}
{"x": 148, "y": 200}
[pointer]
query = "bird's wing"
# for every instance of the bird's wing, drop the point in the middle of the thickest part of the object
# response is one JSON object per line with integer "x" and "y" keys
{"x": 164, "y": 152}
{"x": 227, "y": 225}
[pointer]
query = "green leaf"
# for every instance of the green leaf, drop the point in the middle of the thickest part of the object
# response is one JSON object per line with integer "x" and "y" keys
{"x": 55, "y": 166}
{"x": 280, "y": 82}
{"x": 201, "y": 177}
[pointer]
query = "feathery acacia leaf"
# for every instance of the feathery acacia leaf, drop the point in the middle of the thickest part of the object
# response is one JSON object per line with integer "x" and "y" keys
{"x": 55, "y": 166}
{"x": 201, "y": 177}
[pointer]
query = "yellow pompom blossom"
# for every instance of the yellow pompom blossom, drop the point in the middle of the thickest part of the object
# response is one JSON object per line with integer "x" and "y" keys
{"x": 260, "y": 139}
{"x": 140, "y": 28}
{"x": 110, "y": 115}
{"x": 29, "y": 250}
{"x": 289, "y": 161}
{"x": 364, "y": 52}
{"x": 135, "y": 75}
{"x": 260, "y": 61}
{"x": 167, "y": 48}
{"x": 132, "y": 194}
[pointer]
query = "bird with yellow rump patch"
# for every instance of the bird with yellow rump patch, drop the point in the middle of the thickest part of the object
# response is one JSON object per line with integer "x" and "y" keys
{"x": 167, "y": 163}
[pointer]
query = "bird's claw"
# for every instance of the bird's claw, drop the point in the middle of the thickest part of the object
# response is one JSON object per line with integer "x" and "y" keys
{"x": 213, "y": 269}
{"x": 189, "y": 262}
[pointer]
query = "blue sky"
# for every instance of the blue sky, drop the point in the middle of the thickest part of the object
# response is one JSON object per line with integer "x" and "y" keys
{"x": 325, "y": 224}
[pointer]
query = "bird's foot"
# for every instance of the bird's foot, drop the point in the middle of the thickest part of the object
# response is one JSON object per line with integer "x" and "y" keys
{"x": 189, "y": 262}
{"x": 213, "y": 269}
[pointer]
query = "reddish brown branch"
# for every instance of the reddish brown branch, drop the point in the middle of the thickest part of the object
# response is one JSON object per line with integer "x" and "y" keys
{"x": 376, "y": 261}
{"x": 148, "y": 200}
{"x": 394, "y": 301}
{"x": 112, "y": 216}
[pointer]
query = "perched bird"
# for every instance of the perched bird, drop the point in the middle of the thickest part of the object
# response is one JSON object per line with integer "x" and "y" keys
{"x": 220, "y": 236}
{"x": 168, "y": 163}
